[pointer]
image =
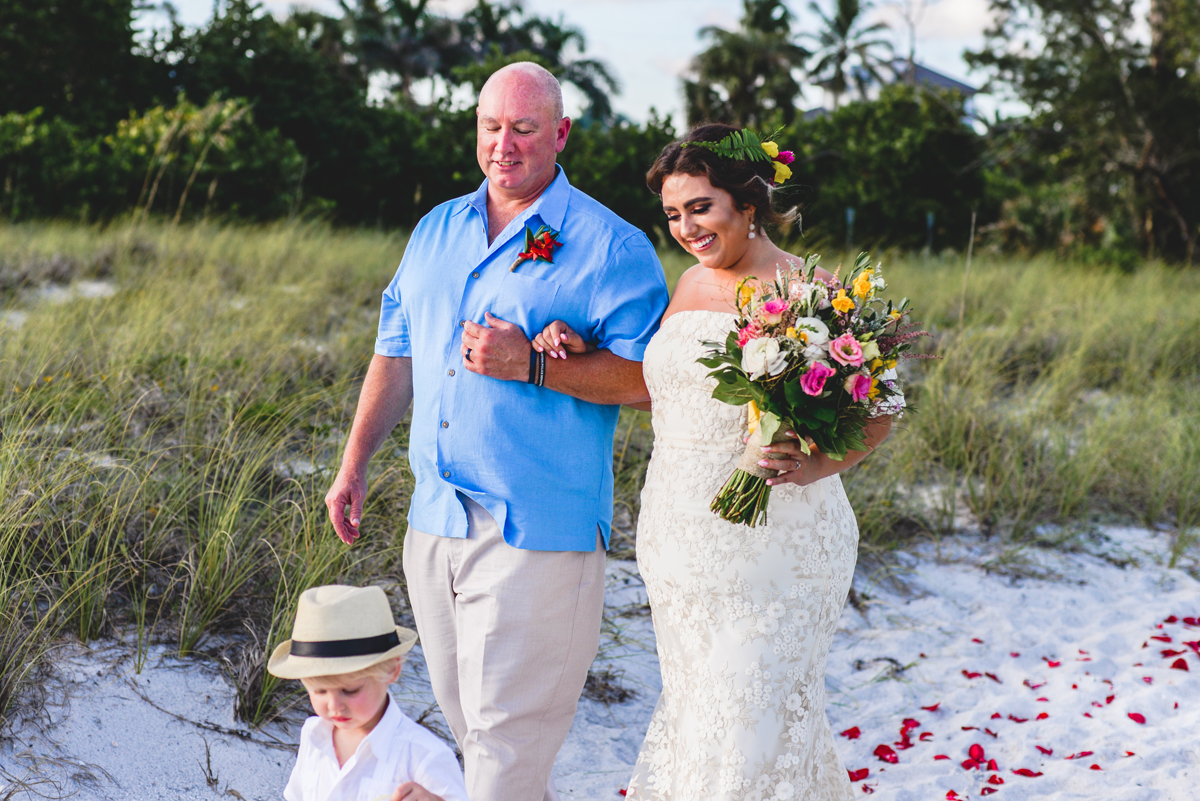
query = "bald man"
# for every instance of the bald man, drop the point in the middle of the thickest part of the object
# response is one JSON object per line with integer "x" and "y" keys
{"x": 511, "y": 451}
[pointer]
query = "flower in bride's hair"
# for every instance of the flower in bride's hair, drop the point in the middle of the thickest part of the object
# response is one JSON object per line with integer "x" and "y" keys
{"x": 772, "y": 310}
{"x": 786, "y": 156}
{"x": 782, "y": 171}
{"x": 858, "y": 385}
{"x": 771, "y": 149}
{"x": 813, "y": 381}
{"x": 763, "y": 356}
{"x": 846, "y": 350}
{"x": 814, "y": 330}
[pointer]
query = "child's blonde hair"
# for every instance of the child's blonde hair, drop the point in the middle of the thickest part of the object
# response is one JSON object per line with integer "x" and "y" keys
{"x": 380, "y": 671}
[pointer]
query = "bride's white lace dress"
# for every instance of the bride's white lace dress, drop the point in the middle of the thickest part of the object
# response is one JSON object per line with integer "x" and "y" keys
{"x": 744, "y": 617}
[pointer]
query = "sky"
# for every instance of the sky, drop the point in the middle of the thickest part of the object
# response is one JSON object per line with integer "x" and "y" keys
{"x": 648, "y": 43}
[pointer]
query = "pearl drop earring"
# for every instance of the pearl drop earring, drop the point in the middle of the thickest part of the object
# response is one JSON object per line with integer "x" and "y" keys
{"x": 751, "y": 235}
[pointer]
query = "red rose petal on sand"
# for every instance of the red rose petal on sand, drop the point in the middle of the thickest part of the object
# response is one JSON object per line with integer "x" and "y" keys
{"x": 1043, "y": 715}
{"x": 969, "y": 764}
{"x": 1044, "y": 700}
{"x": 988, "y": 791}
{"x": 1179, "y": 664}
{"x": 931, "y": 708}
{"x": 953, "y": 796}
{"x": 1171, "y": 619}
{"x": 992, "y": 676}
{"x": 1051, "y": 662}
{"x": 853, "y": 733}
{"x": 1161, "y": 638}
{"x": 1167, "y": 653}
{"x": 997, "y": 716}
{"x": 1148, "y": 679}
{"x": 1080, "y": 755}
{"x": 941, "y": 756}
{"x": 991, "y": 765}
{"x": 989, "y": 731}
{"x": 868, "y": 789}
{"x": 1130, "y": 753}
{"x": 859, "y": 775}
{"x": 976, "y": 639}
{"x": 994, "y": 779}
{"x": 1087, "y": 714}
{"x": 976, "y": 752}
{"x": 970, "y": 728}
{"x": 1016, "y": 719}
{"x": 1137, "y": 717}
{"x": 910, "y": 724}
{"x": 925, "y": 735}
{"x": 1014, "y": 654}
{"x": 971, "y": 675}
{"x": 1195, "y": 646}
{"x": 622, "y": 791}
{"x": 1026, "y": 772}
{"x": 1033, "y": 686}
{"x": 1191, "y": 621}
{"x": 1095, "y": 767}
{"x": 1046, "y": 751}
{"x": 886, "y": 754}
{"x": 1109, "y": 699}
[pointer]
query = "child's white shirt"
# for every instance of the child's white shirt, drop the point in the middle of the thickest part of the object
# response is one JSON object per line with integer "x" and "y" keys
{"x": 397, "y": 750}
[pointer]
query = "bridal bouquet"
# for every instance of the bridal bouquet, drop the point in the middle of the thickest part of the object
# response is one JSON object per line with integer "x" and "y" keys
{"x": 808, "y": 356}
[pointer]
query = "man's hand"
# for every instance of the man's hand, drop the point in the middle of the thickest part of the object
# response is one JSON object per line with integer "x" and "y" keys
{"x": 347, "y": 491}
{"x": 499, "y": 351}
{"x": 411, "y": 791}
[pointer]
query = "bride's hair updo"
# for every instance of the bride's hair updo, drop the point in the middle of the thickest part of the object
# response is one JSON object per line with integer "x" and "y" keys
{"x": 748, "y": 182}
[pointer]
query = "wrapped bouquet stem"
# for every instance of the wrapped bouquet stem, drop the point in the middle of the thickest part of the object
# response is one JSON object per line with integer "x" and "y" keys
{"x": 811, "y": 355}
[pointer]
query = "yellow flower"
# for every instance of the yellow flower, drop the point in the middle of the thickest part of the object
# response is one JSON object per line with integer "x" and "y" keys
{"x": 876, "y": 364}
{"x": 874, "y": 389}
{"x": 790, "y": 333}
{"x": 745, "y": 293}
{"x": 771, "y": 148}
{"x": 752, "y": 416}
{"x": 782, "y": 171}
{"x": 862, "y": 284}
{"x": 890, "y": 364}
{"x": 841, "y": 302}
{"x": 895, "y": 315}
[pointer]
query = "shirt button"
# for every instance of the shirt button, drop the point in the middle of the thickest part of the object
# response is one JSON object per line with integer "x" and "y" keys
{"x": 445, "y": 474}
{"x": 462, "y": 322}
{"x": 451, "y": 373}
{"x": 474, "y": 275}
{"x": 445, "y": 424}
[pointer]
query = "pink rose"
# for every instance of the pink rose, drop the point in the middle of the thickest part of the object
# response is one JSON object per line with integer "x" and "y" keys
{"x": 858, "y": 385}
{"x": 846, "y": 350}
{"x": 772, "y": 310}
{"x": 752, "y": 331}
{"x": 813, "y": 381}
{"x": 786, "y": 156}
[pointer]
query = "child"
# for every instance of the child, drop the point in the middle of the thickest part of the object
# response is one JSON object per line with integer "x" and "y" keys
{"x": 347, "y": 649}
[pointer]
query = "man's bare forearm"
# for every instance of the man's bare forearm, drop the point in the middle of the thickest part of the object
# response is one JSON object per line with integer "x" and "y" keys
{"x": 386, "y": 393}
{"x": 597, "y": 377}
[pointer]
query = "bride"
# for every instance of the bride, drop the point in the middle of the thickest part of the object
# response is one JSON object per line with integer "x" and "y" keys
{"x": 743, "y": 617}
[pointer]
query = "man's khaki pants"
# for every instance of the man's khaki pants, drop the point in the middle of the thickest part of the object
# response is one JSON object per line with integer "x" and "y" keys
{"x": 508, "y": 636}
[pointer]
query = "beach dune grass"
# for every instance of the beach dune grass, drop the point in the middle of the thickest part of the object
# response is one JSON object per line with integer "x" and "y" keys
{"x": 173, "y": 403}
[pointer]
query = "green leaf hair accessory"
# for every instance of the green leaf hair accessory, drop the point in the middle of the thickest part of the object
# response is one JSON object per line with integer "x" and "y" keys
{"x": 745, "y": 145}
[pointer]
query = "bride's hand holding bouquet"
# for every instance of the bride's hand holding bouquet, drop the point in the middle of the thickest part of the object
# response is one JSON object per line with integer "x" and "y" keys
{"x": 814, "y": 362}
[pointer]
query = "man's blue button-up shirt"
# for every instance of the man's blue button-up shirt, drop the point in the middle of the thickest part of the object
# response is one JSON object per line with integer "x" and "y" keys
{"x": 539, "y": 461}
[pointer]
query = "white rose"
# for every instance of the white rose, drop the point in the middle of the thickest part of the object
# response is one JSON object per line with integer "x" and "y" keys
{"x": 815, "y": 331}
{"x": 762, "y": 356}
{"x": 870, "y": 350}
{"x": 816, "y": 353}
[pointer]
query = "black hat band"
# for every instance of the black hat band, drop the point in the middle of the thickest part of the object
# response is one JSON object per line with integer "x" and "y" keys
{"x": 363, "y": 646}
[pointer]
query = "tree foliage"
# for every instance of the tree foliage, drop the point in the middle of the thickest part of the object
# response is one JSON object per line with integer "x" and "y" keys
{"x": 1111, "y": 148}
{"x": 849, "y": 52}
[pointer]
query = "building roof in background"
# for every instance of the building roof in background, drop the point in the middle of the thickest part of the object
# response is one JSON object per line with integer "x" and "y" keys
{"x": 925, "y": 76}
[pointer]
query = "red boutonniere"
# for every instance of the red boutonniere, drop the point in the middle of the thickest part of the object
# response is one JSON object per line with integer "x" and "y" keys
{"x": 539, "y": 244}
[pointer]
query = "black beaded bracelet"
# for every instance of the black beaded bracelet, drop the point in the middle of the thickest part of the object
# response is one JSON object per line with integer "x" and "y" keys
{"x": 533, "y": 361}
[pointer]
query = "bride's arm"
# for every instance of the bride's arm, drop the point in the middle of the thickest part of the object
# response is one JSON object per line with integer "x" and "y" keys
{"x": 796, "y": 468}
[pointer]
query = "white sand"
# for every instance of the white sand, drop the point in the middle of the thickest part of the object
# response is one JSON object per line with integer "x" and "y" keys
{"x": 99, "y": 739}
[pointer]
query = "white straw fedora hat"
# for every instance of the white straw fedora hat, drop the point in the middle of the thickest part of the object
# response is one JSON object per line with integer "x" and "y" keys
{"x": 340, "y": 629}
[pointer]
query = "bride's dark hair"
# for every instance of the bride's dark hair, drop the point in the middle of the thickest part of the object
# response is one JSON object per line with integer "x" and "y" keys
{"x": 748, "y": 182}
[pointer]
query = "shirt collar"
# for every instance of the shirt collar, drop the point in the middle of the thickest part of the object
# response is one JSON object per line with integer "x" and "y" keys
{"x": 378, "y": 743}
{"x": 551, "y": 205}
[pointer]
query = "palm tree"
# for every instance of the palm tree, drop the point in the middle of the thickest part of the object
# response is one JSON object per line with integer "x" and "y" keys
{"x": 747, "y": 77}
{"x": 846, "y": 50}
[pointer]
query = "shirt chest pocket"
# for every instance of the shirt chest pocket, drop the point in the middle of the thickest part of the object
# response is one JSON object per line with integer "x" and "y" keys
{"x": 524, "y": 301}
